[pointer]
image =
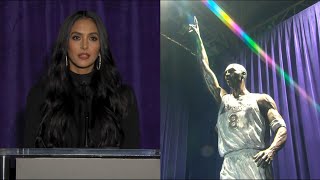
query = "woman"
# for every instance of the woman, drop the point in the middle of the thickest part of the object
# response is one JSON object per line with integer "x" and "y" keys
{"x": 81, "y": 102}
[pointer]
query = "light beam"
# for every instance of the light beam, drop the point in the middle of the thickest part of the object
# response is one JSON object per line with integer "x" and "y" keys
{"x": 225, "y": 18}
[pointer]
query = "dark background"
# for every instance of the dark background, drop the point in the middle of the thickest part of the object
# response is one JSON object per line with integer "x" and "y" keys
{"x": 28, "y": 31}
{"x": 288, "y": 31}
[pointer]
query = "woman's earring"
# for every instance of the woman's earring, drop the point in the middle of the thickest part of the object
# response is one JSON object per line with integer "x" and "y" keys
{"x": 99, "y": 65}
{"x": 67, "y": 61}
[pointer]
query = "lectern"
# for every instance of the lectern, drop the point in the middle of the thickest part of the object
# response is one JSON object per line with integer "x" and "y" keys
{"x": 80, "y": 163}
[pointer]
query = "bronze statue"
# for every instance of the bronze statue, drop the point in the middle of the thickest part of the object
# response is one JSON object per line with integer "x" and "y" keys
{"x": 242, "y": 121}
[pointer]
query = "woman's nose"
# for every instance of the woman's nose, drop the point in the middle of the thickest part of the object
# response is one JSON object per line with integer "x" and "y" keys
{"x": 84, "y": 44}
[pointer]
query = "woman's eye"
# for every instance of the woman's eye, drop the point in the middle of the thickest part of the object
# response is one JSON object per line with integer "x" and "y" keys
{"x": 75, "y": 37}
{"x": 93, "y": 38}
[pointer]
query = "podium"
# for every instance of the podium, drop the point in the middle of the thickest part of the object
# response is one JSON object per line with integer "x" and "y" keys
{"x": 69, "y": 163}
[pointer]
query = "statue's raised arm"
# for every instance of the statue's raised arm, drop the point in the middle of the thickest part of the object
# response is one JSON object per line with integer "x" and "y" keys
{"x": 209, "y": 76}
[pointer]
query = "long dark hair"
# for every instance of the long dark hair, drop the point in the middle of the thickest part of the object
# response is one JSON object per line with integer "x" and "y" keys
{"x": 108, "y": 104}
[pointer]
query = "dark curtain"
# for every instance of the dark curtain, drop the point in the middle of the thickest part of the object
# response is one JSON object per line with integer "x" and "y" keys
{"x": 188, "y": 139}
{"x": 174, "y": 112}
{"x": 294, "y": 46}
{"x": 28, "y": 31}
{"x": 188, "y": 114}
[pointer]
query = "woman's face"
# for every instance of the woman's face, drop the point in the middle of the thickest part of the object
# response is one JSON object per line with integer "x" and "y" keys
{"x": 83, "y": 46}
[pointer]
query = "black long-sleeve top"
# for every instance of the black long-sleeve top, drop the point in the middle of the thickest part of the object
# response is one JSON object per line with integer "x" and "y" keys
{"x": 82, "y": 101}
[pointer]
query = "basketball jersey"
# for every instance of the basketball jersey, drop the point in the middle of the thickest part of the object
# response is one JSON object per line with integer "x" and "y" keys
{"x": 240, "y": 124}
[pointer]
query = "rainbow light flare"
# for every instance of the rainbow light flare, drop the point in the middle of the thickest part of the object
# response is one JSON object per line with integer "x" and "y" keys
{"x": 225, "y": 18}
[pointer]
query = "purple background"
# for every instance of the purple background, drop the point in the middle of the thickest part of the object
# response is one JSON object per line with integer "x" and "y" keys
{"x": 294, "y": 45}
{"x": 189, "y": 114}
{"x": 28, "y": 31}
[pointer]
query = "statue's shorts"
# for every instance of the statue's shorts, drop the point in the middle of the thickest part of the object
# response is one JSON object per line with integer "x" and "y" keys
{"x": 240, "y": 165}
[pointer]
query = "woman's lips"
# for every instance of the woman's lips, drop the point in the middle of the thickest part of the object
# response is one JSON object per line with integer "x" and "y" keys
{"x": 84, "y": 56}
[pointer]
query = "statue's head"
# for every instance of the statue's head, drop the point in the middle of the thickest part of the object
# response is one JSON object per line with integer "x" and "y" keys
{"x": 235, "y": 74}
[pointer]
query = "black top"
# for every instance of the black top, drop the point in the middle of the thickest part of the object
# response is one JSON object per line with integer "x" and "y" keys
{"x": 82, "y": 101}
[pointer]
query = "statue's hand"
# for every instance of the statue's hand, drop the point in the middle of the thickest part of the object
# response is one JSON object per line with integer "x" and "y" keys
{"x": 194, "y": 27}
{"x": 264, "y": 158}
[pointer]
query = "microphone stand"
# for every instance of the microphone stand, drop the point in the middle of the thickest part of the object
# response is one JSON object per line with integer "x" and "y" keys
{"x": 86, "y": 113}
